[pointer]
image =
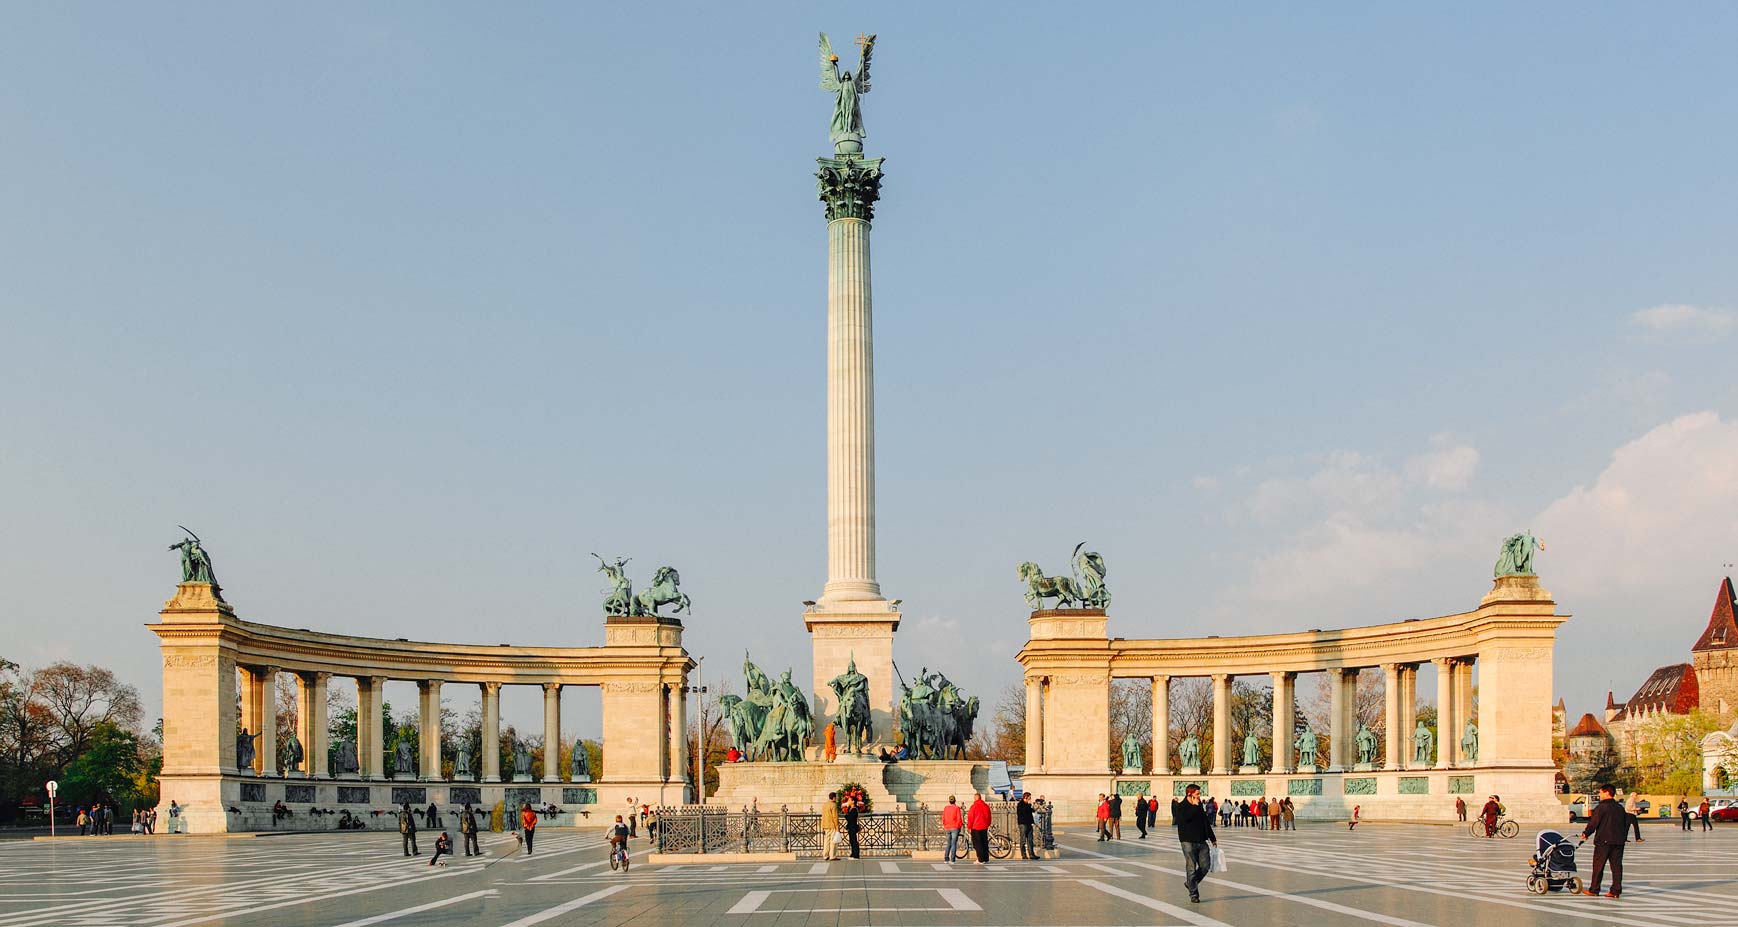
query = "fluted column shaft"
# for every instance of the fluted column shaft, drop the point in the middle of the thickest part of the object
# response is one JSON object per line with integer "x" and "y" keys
{"x": 1338, "y": 735}
{"x": 1221, "y": 724}
{"x": 429, "y": 729}
{"x": 1445, "y": 713}
{"x": 1282, "y": 721}
{"x": 491, "y": 732}
{"x": 311, "y": 725}
{"x": 1395, "y": 757}
{"x": 850, "y": 415}
{"x": 1161, "y": 725}
{"x": 551, "y": 732}
{"x": 266, "y": 757}
{"x": 1034, "y": 724}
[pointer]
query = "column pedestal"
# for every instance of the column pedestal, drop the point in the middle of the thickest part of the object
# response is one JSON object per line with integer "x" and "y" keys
{"x": 863, "y": 631}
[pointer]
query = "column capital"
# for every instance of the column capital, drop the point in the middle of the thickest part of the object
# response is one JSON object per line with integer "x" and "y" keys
{"x": 491, "y": 688}
{"x": 1279, "y": 675}
{"x": 1161, "y": 678}
{"x": 374, "y": 681}
{"x": 849, "y": 186}
{"x": 1442, "y": 662}
{"x": 319, "y": 677}
{"x": 1391, "y": 669}
{"x": 1221, "y": 677}
{"x": 270, "y": 670}
{"x": 549, "y": 687}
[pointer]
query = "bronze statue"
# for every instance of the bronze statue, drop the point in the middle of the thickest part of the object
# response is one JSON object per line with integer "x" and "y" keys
{"x": 195, "y": 562}
{"x": 851, "y": 688}
{"x": 846, "y": 129}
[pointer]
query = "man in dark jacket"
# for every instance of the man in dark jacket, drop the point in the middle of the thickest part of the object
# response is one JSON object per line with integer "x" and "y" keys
{"x": 407, "y": 829}
{"x": 1608, "y": 825}
{"x": 468, "y": 829}
{"x": 1024, "y": 817}
{"x": 1141, "y": 814}
{"x": 1195, "y": 833}
{"x": 852, "y": 827}
{"x": 1114, "y": 827}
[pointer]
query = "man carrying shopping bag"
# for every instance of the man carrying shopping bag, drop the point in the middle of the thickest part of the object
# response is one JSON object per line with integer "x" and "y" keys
{"x": 1200, "y": 844}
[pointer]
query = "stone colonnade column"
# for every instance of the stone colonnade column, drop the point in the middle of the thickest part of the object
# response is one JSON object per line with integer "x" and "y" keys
{"x": 1391, "y": 716}
{"x": 678, "y": 732}
{"x": 1338, "y": 736}
{"x": 552, "y": 732}
{"x": 374, "y": 761}
{"x": 311, "y": 730}
{"x": 429, "y": 730}
{"x": 1408, "y": 712}
{"x": 1282, "y": 721}
{"x": 1034, "y": 724}
{"x": 1161, "y": 725}
{"x": 250, "y": 713}
{"x": 491, "y": 732}
{"x": 850, "y": 187}
{"x": 1464, "y": 708}
{"x": 266, "y": 756}
{"x": 1445, "y": 712}
{"x": 1221, "y": 724}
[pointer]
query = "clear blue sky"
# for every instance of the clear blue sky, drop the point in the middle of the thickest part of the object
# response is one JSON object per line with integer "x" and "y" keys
{"x": 1291, "y": 314}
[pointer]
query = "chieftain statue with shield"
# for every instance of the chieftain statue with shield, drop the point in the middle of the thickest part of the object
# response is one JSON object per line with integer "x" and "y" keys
{"x": 851, "y": 689}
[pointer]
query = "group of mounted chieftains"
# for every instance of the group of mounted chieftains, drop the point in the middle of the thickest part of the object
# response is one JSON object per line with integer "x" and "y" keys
{"x": 770, "y": 723}
{"x": 1085, "y": 590}
{"x": 620, "y": 601}
{"x": 936, "y": 717}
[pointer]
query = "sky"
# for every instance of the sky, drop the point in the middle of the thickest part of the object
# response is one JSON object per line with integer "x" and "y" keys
{"x": 1293, "y": 314}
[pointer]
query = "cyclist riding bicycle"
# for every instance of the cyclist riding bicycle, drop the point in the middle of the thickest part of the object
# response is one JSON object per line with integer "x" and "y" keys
{"x": 618, "y": 840}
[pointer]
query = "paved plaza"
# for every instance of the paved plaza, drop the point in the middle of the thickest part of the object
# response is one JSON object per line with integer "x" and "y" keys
{"x": 1396, "y": 875}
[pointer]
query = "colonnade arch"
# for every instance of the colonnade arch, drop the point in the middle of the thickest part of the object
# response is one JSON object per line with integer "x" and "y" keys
{"x": 1070, "y": 661}
{"x": 641, "y": 671}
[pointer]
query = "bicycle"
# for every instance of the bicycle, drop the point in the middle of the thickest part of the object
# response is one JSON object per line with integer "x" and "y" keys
{"x": 1505, "y": 828}
{"x": 1000, "y": 846}
{"x": 619, "y": 856}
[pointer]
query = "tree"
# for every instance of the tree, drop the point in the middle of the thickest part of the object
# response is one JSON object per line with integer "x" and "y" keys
{"x": 108, "y": 770}
{"x": 1131, "y": 712}
{"x": 78, "y": 699}
{"x": 1668, "y": 751}
{"x": 1004, "y": 738}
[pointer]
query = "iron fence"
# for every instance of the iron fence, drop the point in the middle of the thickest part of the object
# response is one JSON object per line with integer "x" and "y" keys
{"x": 707, "y": 829}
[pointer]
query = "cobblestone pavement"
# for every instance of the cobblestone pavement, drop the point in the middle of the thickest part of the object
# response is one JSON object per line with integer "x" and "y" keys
{"x": 1393, "y": 875}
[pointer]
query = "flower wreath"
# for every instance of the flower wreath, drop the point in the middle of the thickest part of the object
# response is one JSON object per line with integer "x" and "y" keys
{"x": 857, "y": 794}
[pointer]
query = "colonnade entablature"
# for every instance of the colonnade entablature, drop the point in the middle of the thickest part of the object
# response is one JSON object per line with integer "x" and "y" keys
{"x": 1071, "y": 660}
{"x": 641, "y": 670}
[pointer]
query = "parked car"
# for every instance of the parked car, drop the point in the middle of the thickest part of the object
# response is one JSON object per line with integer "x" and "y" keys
{"x": 1578, "y": 809}
{"x": 1728, "y": 813}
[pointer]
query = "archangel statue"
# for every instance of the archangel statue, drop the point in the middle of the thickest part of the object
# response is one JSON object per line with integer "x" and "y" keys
{"x": 195, "y": 562}
{"x": 847, "y": 128}
{"x": 1422, "y": 742}
{"x": 1516, "y": 558}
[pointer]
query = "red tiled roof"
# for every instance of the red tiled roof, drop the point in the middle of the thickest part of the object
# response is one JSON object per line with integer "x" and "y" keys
{"x": 1670, "y": 688}
{"x": 1610, "y": 702}
{"x": 1722, "y": 631}
{"x": 1588, "y": 725}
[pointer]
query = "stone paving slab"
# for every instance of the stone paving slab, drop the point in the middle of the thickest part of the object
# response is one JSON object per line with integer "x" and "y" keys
{"x": 1392, "y": 875}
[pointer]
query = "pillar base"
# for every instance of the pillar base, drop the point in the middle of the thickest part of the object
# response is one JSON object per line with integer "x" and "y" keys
{"x": 860, "y": 631}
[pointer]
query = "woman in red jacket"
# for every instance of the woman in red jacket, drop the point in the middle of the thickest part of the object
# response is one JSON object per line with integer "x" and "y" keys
{"x": 1103, "y": 817}
{"x": 978, "y": 822}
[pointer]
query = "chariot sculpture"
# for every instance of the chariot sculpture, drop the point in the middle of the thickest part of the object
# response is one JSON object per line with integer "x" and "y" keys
{"x": 621, "y": 602}
{"x": 1085, "y": 589}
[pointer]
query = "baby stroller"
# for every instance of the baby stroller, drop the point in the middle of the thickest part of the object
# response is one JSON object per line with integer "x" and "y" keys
{"x": 1553, "y": 865}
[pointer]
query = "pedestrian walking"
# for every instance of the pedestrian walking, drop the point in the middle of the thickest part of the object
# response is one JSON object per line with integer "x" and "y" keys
{"x": 1632, "y": 810}
{"x": 528, "y": 824}
{"x": 1460, "y": 809}
{"x": 1195, "y": 835}
{"x": 407, "y": 830}
{"x": 1024, "y": 818}
{"x": 1116, "y": 816}
{"x": 978, "y": 822}
{"x": 953, "y": 819}
{"x": 830, "y": 827}
{"x": 443, "y": 847}
{"x": 1707, "y": 821}
{"x": 84, "y": 823}
{"x": 1353, "y": 823}
{"x": 852, "y": 827}
{"x": 1141, "y": 814}
{"x": 1103, "y": 818}
{"x": 468, "y": 830}
{"x": 1609, "y": 827}
{"x": 1684, "y": 811}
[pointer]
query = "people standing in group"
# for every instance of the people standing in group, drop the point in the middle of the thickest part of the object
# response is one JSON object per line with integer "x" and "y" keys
{"x": 407, "y": 830}
{"x": 1025, "y": 819}
{"x": 953, "y": 819}
{"x": 1196, "y": 837}
{"x": 1608, "y": 825}
{"x": 852, "y": 826}
{"x": 1103, "y": 818}
{"x": 443, "y": 847}
{"x": 1707, "y": 819}
{"x": 527, "y": 824}
{"x": 468, "y": 830}
{"x": 1684, "y": 810}
{"x": 978, "y": 822}
{"x": 1274, "y": 813}
{"x": 1460, "y": 809}
{"x": 1356, "y": 811}
{"x": 1116, "y": 816}
{"x": 830, "y": 827}
{"x": 1141, "y": 814}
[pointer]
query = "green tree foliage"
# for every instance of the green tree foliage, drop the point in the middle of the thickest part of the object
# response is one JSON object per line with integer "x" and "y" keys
{"x": 52, "y": 718}
{"x": 1666, "y": 752}
{"x": 109, "y": 770}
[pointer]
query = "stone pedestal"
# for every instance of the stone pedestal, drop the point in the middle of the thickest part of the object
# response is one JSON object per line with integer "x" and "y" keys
{"x": 1248, "y": 770}
{"x": 1191, "y": 771}
{"x": 1306, "y": 770}
{"x": 861, "y": 631}
{"x": 1132, "y": 771}
{"x": 1363, "y": 767}
{"x": 521, "y": 777}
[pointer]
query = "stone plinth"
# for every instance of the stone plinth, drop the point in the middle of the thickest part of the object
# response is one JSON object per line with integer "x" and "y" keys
{"x": 860, "y": 630}
{"x": 930, "y": 782}
{"x": 797, "y": 786}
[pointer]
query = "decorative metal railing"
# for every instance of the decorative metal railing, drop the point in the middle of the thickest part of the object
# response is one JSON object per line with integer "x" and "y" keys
{"x": 706, "y": 829}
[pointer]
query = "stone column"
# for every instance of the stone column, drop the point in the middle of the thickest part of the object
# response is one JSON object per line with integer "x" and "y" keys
{"x": 678, "y": 733}
{"x": 1463, "y": 709}
{"x": 1161, "y": 725}
{"x": 250, "y": 714}
{"x": 491, "y": 747}
{"x": 374, "y": 761}
{"x": 849, "y": 187}
{"x": 1395, "y": 757}
{"x": 1338, "y": 735}
{"x": 266, "y": 756}
{"x": 1034, "y": 724}
{"x": 311, "y": 721}
{"x": 1445, "y": 736}
{"x": 429, "y": 731}
{"x": 1408, "y": 711}
{"x": 1221, "y": 724}
{"x": 552, "y": 732}
{"x": 1282, "y": 721}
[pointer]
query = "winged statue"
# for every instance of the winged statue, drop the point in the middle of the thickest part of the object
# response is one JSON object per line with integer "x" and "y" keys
{"x": 847, "y": 129}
